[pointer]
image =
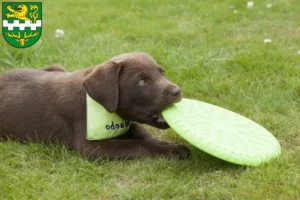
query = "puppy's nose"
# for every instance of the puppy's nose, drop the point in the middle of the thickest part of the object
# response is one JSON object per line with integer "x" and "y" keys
{"x": 175, "y": 91}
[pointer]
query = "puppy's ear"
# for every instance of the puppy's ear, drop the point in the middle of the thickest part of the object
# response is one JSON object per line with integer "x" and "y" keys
{"x": 102, "y": 84}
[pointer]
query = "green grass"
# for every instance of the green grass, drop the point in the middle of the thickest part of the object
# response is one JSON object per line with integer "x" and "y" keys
{"x": 213, "y": 54}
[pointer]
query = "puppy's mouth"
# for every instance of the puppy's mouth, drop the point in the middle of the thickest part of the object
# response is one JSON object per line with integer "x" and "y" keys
{"x": 157, "y": 120}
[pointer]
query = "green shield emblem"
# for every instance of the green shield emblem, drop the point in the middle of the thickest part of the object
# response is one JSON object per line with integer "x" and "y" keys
{"x": 21, "y": 23}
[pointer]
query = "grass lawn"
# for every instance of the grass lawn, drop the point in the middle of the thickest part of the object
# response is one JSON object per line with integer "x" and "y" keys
{"x": 215, "y": 51}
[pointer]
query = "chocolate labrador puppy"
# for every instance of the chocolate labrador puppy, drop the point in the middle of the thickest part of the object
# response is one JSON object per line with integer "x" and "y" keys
{"x": 49, "y": 104}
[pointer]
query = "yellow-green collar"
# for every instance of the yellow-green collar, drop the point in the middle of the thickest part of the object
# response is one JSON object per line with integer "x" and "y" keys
{"x": 102, "y": 124}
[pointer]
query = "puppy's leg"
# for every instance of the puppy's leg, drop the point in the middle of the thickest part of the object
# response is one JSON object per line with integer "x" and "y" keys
{"x": 53, "y": 68}
{"x": 129, "y": 149}
{"x": 126, "y": 148}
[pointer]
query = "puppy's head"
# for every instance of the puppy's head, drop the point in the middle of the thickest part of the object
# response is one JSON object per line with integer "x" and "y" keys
{"x": 134, "y": 86}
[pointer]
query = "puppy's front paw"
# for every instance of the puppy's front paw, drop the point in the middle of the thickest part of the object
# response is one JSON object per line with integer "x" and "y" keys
{"x": 179, "y": 152}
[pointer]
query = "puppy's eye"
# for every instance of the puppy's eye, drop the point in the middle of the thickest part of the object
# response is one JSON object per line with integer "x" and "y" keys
{"x": 141, "y": 82}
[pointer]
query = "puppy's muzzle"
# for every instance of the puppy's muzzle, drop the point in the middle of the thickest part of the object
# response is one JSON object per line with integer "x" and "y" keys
{"x": 174, "y": 93}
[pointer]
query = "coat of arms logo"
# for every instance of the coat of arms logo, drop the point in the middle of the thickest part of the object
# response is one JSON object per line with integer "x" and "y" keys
{"x": 21, "y": 23}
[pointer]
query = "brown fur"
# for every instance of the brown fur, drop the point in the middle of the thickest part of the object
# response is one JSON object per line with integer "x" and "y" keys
{"x": 49, "y": 105}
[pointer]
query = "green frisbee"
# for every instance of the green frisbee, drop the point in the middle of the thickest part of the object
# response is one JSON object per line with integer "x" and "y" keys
{"x": 222, "y": 133}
